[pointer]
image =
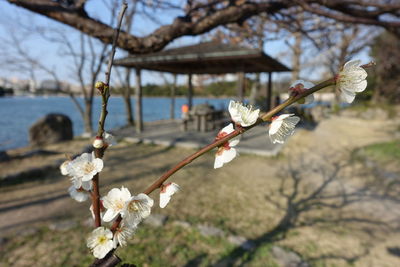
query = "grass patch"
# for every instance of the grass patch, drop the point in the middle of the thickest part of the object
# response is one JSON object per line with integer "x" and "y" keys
{"x": 387, "y": 151}
{"x": 361, "y": 107}
{"x": 170, "y": 245}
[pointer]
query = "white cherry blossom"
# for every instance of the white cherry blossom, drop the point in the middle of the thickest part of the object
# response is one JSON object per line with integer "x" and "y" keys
{"x": 351, "y": 80}
{"x": 282, "y": 127}
{"x": 243, "y": 115}
{"x": 84, "y": 167}
{"x": 136, "y": 208}
{"x": 226, "y": 152}
{"x": 166, "y": 193}
{"x": 100, "y": 242}
{"x": 114, "y": 202}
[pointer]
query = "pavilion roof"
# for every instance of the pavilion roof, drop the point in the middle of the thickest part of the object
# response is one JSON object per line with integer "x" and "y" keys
{"x": 205, "y": 58}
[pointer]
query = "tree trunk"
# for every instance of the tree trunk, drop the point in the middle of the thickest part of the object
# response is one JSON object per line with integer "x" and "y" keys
{"x": 128, "y": 109}
{"x": 127, "y": 99}
{"x": 172, "y": 106}
{"x": 296, "y": 56}
{"x": 255, "y": 88}
{"x": 138, "y": 105}
{"x": 87, "y": 117}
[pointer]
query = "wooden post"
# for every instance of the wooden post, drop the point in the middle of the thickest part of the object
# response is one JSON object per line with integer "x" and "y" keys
{"x": 138, "y": 103}
{"x": 172, "y": 105}
{"x": 190, "y": 92}
{"x": 269, "y": 92}
{"x": 240, "y": 86}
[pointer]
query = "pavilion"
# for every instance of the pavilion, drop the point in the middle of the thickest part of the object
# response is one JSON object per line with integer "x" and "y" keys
{"x": 203, "y": 58}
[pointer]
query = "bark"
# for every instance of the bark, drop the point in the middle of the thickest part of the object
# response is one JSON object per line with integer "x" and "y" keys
{"x": 127, "y": 99}
{"x": 87, "y": 118}
{"x": 296, "y": 59}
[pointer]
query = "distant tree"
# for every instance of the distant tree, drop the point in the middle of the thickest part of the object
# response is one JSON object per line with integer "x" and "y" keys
{"x": 386, "y": 74}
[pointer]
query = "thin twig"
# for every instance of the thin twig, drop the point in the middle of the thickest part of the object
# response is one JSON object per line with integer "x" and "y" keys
{"x": 105, "y": 94}
{"x": 115, "y": 38}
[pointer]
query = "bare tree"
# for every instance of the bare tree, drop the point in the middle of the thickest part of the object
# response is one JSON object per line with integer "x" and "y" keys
{"x": 87, "y": 67}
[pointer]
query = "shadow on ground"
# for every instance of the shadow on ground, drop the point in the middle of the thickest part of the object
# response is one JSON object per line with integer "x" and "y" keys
{"x": 318, "y": 196}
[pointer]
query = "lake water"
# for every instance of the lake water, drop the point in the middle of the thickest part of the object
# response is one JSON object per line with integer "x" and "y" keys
{"x": 17, "y": 114}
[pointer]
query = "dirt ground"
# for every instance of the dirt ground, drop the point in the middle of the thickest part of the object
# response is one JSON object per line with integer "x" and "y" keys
{"x": 313, "y": 198}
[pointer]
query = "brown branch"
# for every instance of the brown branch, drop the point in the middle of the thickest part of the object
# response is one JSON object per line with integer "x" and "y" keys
{"x": 344, "y": 13}
{"x": 157, "y": 40}
{"x": 202, "y": 18}
{"x": 114, "y": 44}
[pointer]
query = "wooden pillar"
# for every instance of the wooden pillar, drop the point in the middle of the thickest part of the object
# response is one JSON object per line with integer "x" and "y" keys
{"x": 269, "y": 92}
{"x": 172, "y": 105}
{"x": 190, "y": 92}
{"x": 138, "y": 103}
{"x": 240, "y": 86}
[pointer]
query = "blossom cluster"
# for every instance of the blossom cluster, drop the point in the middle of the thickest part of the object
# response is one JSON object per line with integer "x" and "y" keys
{"x": 349, "y": 81}
{"x": 118, "y": 202}
{"x": 245, "y": 116}
{"x": 127, "y": 210}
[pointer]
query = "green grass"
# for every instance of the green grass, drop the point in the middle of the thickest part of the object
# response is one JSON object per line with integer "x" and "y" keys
{"x": 363, "y": 106}
{"x": 388, "y": 151}
{"x": 170, "y": 245}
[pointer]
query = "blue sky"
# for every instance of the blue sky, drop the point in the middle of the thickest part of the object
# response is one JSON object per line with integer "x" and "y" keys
{"x": 48, "y": 52}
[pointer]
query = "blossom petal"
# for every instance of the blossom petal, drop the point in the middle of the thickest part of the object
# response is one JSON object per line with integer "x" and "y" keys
{"x": 109, "y": 215}
{"x": 226, "y": 156}
{"x": 351, "y": 64}
{"x": 218, "y": 162}
{"x": 164, "y": 200}
{"x": 87, "y": 185}
{"x": 347, "y": 96}
{"x": 282, "y": 127}
{"x": 351, "y": 80}
{"x": 274, "y": 127}
{"x": 167, "y": 192}
{"x": 227, "y": 129}
{"x": 77, "y": 195}
{"x": 101, "y": 251}
{"x": 243, "y": 115}
{"x": 359, "y": 87}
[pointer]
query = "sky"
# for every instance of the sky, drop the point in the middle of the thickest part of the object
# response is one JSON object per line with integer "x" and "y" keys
{"x": 50, "y": 53}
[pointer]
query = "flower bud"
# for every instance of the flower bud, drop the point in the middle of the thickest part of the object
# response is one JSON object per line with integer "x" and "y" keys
{"x": 98, "y": 142}
{"x": 99, "y": 86}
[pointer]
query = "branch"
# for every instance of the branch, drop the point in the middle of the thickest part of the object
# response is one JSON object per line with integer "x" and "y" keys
{"x": 105, "y": 94}
{"x": 343, "y": 12}
{"x": 182, "y": 26}
{"x": 239, "y": 130}
{"x": 201, "y": 18}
